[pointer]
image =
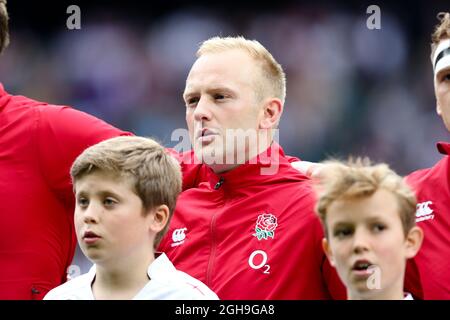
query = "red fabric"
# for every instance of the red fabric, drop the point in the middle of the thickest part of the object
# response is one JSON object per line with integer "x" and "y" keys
{"x": 38, "y": 143}
{"x": 189, "y": 166}
{"x": 220, "y": 234}
{"x": 427, "y": 275}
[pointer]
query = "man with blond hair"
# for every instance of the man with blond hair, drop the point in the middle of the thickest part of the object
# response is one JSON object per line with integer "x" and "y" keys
{"x": 248, "y": 229}
{"x": 38, "y": 143}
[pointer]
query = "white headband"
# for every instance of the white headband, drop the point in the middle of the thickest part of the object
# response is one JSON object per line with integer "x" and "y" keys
{"x": 441, "y": 59}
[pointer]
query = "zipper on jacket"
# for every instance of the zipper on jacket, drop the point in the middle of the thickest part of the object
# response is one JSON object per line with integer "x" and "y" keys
{"x": 212, "y": 255}
{"x": 219, "y": 184}
{"x": 212, "y": 229}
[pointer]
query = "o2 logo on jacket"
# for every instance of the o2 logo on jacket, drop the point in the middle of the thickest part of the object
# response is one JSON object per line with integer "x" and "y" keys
{"x": 258, "y": 260}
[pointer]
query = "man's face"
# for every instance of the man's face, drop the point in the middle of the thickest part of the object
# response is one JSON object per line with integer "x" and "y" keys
{"x": 220, "y": 97}
{"x": 442, "y": 92}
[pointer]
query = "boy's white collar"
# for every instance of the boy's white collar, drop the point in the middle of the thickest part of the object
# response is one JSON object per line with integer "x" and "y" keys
{"x": 408, "y": 296}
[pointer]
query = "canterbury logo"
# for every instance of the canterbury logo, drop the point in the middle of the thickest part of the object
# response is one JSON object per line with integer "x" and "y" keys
{"x": 178, "y": 236}
{"x": 423, "y": 211}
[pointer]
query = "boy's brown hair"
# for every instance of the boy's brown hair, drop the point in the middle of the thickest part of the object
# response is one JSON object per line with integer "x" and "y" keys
{"x": 156, "y": 175}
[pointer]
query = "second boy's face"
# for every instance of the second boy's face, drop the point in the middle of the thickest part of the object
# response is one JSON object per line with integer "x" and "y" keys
{"x": 366, "y": 244}
{"x": 109, "y": 219}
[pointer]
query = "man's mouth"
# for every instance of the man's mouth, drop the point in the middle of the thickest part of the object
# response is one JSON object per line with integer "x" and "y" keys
{"x": 205, "y": 135}
{"x": 205, "y": 132}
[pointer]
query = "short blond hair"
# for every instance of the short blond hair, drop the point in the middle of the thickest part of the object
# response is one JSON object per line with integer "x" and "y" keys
{"x": 357, "y": 178}
{"x": 271, "y": 70}
{"x": 4, "y": 31}
{"x": 156, "y": 175}
{"x": 441, "y": 31}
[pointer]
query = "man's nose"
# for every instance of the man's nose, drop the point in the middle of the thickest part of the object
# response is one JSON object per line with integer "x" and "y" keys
{"x": 203, "y": 110}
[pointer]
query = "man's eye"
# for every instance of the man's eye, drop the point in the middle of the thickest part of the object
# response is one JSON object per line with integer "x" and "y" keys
{"x": 191, "y": 102}
{"x": 219, "y": 96}
{"x": 445, "y": 77}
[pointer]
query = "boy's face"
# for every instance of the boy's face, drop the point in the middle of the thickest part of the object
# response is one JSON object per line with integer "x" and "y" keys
{"x": 367, "y": 245}
{"x": 109, "y": 220}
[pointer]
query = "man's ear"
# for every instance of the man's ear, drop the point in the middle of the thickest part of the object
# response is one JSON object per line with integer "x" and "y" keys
{"x": 438, "y": 109}
{"x": 328, "y": 252}
{"x": 160, "y": 218}
{"x": 413, "y": 241}
{"x": 438, "y": 105}
{"x": 271, "y": 113}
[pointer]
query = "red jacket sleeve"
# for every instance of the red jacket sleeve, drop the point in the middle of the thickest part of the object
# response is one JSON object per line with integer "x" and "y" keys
{"x": 62, "y": 134}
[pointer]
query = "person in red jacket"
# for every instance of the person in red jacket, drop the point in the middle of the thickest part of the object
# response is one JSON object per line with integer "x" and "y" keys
{"x": 427, "y": 275}
{"x": 38, "y": 143}
{"x": 247, "y": 227}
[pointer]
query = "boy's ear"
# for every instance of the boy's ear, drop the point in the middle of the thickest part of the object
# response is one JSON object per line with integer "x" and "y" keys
{"x": 326, "y": 248}
{"x": 414, "y": 240}
{"x": 160, "y": 216}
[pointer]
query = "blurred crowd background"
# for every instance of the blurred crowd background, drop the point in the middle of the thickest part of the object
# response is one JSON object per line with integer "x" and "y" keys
{"x": 350, "y": 90}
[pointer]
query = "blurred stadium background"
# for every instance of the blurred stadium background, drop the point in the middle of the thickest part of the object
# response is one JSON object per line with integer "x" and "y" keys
{"x": 350, "y": 90}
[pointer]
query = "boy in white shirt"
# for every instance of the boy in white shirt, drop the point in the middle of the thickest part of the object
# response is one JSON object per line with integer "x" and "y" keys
{"x": 126, "y": 189}
{"x": 368, "y": 213}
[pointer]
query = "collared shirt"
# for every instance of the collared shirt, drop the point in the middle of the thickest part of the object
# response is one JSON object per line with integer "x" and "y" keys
{"x": 408, "y": 296}
{"x": 166, "y": 283}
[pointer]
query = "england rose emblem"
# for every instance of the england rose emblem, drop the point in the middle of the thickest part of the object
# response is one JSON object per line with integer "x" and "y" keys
{"x": 265, "y": 226}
